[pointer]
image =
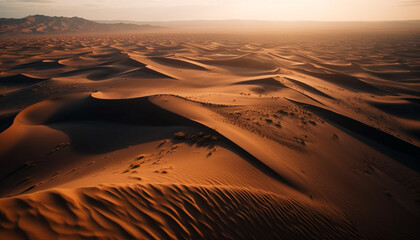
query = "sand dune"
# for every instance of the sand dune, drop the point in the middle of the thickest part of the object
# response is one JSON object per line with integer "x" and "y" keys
{"x": 39, "y": 65}
{"x": 208, "y": 136}
{"x": 178, "y": 63}
{"x": 14, "y": 82}
{"x": 171, "y": 211}
{"x": 308, "y": 88}
{"x": 146, "y": 73}
{"x": 402, "y": 109}
{"x": 264, "y": 85}
{"x": 379, "y": 137}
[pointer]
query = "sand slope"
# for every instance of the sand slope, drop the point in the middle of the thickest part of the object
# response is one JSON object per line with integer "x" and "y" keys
{"x": 169, "y": 212}
{"x": 206, "y": 136}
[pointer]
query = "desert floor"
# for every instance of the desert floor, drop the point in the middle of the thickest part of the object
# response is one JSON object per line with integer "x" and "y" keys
{"x": 210, "y": 136}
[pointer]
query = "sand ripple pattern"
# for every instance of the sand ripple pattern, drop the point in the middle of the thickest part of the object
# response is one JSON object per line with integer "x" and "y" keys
{"x": 168, "y": 212}
{"x": 210, "y": 136}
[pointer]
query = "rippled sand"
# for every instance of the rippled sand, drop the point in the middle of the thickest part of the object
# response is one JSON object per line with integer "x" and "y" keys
{"x": 210, "y": 136}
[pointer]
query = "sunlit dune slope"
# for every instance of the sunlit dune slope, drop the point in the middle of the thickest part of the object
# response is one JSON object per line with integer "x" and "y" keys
{"x": 210, "y": 136}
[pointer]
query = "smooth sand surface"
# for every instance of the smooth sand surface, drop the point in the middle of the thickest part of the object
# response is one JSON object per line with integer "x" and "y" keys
{"x": 210, "y": 136}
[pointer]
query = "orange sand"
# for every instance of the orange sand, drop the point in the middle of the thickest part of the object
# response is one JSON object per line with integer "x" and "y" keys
{"x": 210, "y": 136}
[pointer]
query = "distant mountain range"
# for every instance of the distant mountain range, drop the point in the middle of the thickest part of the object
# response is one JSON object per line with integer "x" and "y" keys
{"x": 40, "y": 24}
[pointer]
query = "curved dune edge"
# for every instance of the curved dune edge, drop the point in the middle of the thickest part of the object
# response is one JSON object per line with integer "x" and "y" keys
{"x": 168, "y": 212}
{"x": 79, "y": 108}
{"x": 19, "y": 80}
{"x": 405, "y": 152}
{"x": 284, "y": 137}
{"x": 180, "y": 63}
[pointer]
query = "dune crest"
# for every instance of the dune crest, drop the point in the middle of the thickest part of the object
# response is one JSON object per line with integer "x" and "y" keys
{"x": 210, "y": 136}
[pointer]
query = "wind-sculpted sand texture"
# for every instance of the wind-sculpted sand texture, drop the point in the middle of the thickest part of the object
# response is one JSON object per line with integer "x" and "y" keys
{"x": 210, "y": 136}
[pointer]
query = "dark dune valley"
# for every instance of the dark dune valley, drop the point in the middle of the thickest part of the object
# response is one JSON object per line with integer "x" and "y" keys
{"x": 169, "y": 135}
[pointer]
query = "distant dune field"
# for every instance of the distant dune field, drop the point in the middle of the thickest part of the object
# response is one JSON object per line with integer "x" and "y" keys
{"x": 210, "y": 136}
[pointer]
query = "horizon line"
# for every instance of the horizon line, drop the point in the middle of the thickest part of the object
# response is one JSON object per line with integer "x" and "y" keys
{"x": 232, "y": 19}
{"x": 259, "y": 20}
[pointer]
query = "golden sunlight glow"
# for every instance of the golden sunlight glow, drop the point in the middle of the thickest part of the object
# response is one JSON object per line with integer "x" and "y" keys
{"x": 166, "y": 10}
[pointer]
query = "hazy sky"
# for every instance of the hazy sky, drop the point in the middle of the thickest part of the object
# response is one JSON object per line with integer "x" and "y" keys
{"x": 164, "y": 10}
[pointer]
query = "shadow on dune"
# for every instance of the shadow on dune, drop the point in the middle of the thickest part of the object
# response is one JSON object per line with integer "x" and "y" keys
{"x": 345, "y": 81}
{"x": 265, "y": 85}
{"x": 394, "y": 147}
{"x": 309, "y": 88}
{"x": 40, "y": 65}
{"x": 407, "y": 110}
{"x": 107, "y": 72}
{"x": 94, "y": 73}
{"x": 19, "y": 80}
{"x": 145, "y": 72}
{"x": 101, "y": 125}
{"x": 405, "y": 77}
{"x": 6, "y": 120}
{"x": 248, "y": 61}
{"x": 138, "y": 111}
{"x": 178, "y": 63}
